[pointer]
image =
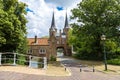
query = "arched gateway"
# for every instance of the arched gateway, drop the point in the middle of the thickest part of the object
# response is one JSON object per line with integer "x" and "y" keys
{"x": 48, "y": 46}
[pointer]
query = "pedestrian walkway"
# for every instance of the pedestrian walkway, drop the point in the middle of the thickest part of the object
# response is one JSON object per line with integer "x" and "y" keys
{"x": 69, "y": 63}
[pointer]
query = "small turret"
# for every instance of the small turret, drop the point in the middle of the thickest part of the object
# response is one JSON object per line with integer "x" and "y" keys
{"x": 66, "y": 26}
{"x": 53, "y": 27}
{"x": 53, "y": 30}
{"x": 66, "y": 22}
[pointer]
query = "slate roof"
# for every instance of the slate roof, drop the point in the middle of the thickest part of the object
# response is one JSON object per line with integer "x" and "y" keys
{"x": 66, "y": 22}
{"x": 53, "y": 23}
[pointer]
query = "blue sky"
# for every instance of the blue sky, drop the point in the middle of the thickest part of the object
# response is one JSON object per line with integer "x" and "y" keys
{"x": 39, "y": 15}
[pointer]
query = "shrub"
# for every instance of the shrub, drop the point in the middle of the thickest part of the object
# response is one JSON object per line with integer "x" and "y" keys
{"x": 7, "y": 58}
{"x": 52, "y": 58}
{"x": 114, "y": 61}
{"x": 21, "y": 60}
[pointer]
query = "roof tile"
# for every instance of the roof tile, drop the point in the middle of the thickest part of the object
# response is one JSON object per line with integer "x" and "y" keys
{"x": 40, "y": 41}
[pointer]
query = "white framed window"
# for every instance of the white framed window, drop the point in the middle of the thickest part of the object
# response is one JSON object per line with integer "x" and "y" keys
{"x": 30, "y": 51}
{"x": 42, "y": 51}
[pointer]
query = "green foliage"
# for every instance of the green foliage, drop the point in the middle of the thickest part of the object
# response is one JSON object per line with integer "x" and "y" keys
{"x": 21, "y": 60}
{"x": 40, "y": 64}
{"x": 12, "y": 26}
{"x": 94, "y": 18}
{"x": 114, "y": 61}
{"x": 52, "y": 58}
{"x": 110, "y": 46}
{"x": 112, "y": 50}
{"x": 71, "y": 38}
{"x": 22, "y": 48}
{"x": 7, "y": 59}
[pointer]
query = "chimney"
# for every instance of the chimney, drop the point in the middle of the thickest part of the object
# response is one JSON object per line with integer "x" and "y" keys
{"x": 60, "y": 33}
{"x": 35, "y": 39}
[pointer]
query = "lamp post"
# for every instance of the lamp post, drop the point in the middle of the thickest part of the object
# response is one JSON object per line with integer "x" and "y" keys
{"x": 103, "y": 38}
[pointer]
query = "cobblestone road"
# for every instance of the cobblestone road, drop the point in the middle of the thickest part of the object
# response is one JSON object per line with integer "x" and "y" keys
{"x": 86, "y": 74}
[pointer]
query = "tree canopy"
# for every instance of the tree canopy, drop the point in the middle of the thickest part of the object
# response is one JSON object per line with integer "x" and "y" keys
{"x": 94, "y": 18}
{"x": 12, "y": 25}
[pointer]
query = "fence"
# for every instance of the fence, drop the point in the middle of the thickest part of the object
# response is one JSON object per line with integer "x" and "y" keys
{"x": 15, "y": 58}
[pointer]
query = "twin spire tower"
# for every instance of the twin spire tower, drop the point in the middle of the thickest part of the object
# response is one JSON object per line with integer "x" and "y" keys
{"x": 59, "y": 39}
{"x": 53, "y": 26}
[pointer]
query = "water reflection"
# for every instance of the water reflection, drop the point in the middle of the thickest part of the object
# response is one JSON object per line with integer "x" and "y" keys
{"x": 34, "y": 64}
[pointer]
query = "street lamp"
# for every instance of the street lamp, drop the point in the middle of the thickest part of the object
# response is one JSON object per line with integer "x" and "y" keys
{"x": 103, "y": 38}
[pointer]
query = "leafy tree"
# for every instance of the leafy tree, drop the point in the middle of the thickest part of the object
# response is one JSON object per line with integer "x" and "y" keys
{"x": 12, "y": 25}
{"x": 71, "y": 39}
{"x": 97, "y": 17}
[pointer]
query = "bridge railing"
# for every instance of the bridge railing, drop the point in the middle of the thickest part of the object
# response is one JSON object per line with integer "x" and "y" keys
{"x": 17, "y": 59}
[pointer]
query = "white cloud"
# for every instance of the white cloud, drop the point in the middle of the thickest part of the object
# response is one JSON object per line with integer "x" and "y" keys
{"x": 65, "y": 3}
{"x": 40, "y": 21}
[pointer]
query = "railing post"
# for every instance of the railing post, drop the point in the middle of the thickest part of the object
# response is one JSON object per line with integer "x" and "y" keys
{"x": 14, "y": 63}
{"x": 80, "y": 68}
{"x": 45, "y": 63}
{"x": 0, "y": 58}
{"x": 30, "y": 61}
{"x": 93, "y": 69}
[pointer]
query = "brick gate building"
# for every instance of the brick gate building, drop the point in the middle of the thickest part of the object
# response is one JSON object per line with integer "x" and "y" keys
{"x": 48, "y": 46}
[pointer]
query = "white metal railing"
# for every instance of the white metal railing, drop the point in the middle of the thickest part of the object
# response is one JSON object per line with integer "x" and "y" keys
{"x": 16, "y": 58}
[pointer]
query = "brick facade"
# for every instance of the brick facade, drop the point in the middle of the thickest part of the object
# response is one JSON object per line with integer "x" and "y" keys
{"x": 48, "y": 46}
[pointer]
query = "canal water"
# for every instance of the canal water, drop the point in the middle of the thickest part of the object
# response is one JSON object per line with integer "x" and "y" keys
{"x": 34, "y": 64}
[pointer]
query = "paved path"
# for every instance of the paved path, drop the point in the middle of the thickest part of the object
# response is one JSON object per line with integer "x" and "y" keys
{"x": 71, "y": 64}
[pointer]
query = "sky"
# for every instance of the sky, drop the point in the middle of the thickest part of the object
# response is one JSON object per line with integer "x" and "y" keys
{"x": 39, "y": 15}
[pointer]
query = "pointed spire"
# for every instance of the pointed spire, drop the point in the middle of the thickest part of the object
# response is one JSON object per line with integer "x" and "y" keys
{"x": 53, "y": 21}
{"x": 66, "y": 21}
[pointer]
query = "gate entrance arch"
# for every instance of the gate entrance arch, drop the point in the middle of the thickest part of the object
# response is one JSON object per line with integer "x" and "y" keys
{"x": 60, "y": 51}
{"x": 59, "y": 39}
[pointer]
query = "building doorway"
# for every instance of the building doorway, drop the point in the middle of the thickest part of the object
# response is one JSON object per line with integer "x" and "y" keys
{"x": 60, "y": 51}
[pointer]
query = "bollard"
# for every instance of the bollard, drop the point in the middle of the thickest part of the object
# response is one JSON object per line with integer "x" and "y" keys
{"x": 14, "y": 63}
{"x": 80, "y": 70}
{"x": 65, "y": 68}
{"x": 93, "y": 69}
{"x": 30, "y": 61}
